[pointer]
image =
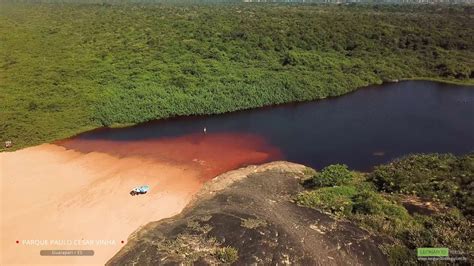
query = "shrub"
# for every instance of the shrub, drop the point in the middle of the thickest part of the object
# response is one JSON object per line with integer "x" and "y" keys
{"x": 333, "y": 175}
{"x": 336, "y": 200}
{"x": 227, "y": 254}
{"x": 370, "y": 202}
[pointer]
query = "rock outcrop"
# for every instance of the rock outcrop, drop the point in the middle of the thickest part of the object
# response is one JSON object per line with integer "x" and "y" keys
{"x": 247, "y": 216}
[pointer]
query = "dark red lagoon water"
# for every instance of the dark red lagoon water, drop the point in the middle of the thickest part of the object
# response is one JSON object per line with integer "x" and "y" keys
{"x": 362, "y": 129}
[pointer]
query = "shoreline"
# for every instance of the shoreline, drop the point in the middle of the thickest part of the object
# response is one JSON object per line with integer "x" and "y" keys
{"x": 79, "y": 196}
{"x": 468, "y": 83}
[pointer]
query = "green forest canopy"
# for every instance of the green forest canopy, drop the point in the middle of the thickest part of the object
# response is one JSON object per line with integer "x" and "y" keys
{"x": 66, "y": 68}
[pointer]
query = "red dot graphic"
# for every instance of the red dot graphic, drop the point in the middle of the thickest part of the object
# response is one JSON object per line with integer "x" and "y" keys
{"x": 123, "y": 241}
{"x": 17, "y": 241}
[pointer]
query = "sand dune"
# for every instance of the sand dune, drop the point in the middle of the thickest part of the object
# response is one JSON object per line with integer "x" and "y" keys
{"x": 69, "y": 197}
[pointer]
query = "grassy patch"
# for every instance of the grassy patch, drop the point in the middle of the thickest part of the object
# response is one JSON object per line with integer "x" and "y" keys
{"x": 187, "y": 248}
{"x": 227, "y": 254}
{"x": 197, "y": 227}
{"x": 253, "y": 223}
{"x": 398, "y": 254}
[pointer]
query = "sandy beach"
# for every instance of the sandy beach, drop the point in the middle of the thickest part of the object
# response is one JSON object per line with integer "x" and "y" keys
{"x": 74, "y": 195}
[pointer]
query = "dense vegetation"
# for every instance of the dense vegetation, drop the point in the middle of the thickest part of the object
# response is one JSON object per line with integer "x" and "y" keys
{"x": 444, "y": 178}
{"x": 65, "y": 68}
{"x": 444, "y": 181}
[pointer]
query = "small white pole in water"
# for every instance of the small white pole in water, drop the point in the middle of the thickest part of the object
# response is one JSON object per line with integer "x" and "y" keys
{"x": 205, "y": 130}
